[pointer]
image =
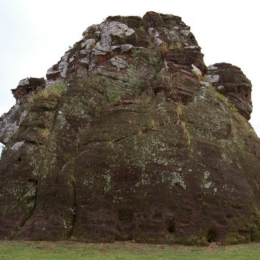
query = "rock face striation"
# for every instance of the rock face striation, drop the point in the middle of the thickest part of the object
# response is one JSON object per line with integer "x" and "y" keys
{"x": 132, "y": 137}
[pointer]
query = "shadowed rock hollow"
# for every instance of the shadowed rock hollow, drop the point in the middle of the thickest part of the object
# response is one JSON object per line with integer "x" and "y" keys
{"x": 132, "y": 137}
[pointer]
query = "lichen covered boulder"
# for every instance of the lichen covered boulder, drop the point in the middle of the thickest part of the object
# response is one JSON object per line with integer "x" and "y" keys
{"x": 132, "y": 137}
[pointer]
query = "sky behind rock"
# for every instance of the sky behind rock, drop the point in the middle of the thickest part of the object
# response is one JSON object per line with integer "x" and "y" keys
{"x": 35, "y": 34}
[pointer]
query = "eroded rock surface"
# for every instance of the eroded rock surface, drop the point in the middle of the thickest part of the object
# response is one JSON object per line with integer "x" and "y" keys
{"x": 230, "y": 81}
{"x": 26, "y": 86}
{"x": 133, "y": 138}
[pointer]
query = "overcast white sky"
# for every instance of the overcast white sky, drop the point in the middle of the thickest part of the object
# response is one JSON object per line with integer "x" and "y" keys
{"x": 36, "y": 33}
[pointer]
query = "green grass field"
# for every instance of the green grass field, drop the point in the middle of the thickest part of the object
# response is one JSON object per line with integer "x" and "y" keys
{"x": 71, "y": 250}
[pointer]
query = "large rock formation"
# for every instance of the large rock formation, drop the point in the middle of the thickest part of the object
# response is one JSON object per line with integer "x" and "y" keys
{"x": 133, "y": 138}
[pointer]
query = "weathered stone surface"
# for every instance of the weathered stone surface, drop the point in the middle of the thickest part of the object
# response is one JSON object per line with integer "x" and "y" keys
{"x": 27, "y": 86}
{"x": 140, "y": 143}
{"x": 230, "y": 81}
{"x": 10, "y": 122}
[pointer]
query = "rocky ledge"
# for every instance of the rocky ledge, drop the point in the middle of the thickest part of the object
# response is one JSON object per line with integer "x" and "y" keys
{"x": 132, "y": 137}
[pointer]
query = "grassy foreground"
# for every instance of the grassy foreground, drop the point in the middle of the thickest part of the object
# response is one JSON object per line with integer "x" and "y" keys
{"x": 70, "y": 250}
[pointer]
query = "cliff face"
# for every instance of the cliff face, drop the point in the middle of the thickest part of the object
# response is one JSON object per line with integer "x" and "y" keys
{"x": 132, "y": 137}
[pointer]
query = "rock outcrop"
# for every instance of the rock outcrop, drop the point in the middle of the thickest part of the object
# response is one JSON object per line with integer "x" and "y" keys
{"x": 132, "y": 137}
{"x": 26, "y": 86}
{"x": 232, "y": 83}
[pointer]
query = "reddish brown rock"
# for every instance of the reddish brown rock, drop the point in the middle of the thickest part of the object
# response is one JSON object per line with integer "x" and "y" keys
{"x": 132, "y": 140}
{"x": 230, "y": 81}
{"x": 26, "y": 86}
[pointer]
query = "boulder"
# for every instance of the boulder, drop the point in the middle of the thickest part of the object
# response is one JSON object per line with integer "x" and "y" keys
{"x": 134, "y": 138}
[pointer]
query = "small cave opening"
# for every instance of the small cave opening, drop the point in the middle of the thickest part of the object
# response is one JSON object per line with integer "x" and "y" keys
{"x": 170, "y": 226}
{"x": 212, "y": 236}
